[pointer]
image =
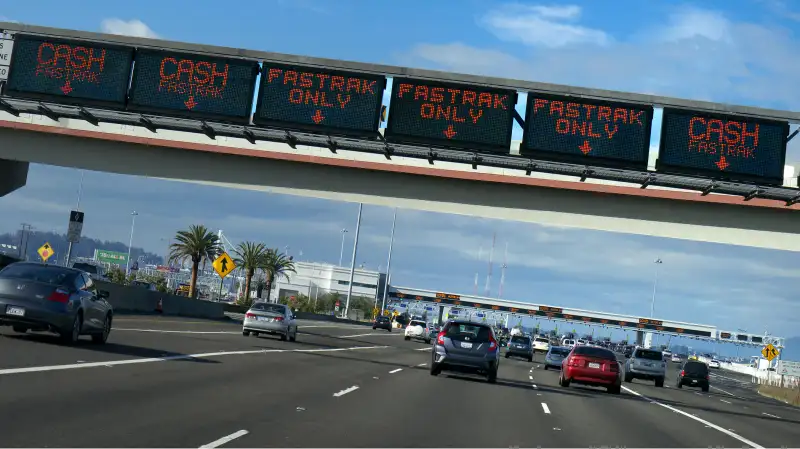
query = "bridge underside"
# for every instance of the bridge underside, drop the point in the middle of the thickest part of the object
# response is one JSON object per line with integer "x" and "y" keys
{"x": 271, "y": 168}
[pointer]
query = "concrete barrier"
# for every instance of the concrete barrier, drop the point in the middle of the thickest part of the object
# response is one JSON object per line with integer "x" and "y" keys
{"x": 127, "y": 299}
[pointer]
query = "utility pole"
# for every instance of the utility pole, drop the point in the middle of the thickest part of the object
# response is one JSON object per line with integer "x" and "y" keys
{"x": 389, "y": 262}
{"x": 130, "y": 243}
{"x": 353, "y": 262}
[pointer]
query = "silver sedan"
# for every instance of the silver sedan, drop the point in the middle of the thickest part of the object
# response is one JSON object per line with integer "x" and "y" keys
{"x": 268, "y": 318}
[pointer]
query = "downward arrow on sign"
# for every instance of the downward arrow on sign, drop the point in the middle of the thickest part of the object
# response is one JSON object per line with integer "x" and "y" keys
{"x": 318, "y": 117}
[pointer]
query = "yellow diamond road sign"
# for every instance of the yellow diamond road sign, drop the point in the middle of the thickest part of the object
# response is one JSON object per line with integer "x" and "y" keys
{"x": 223, "y": 265}
{"x": 770, "y": 352}
{"x": 45, "y": 252}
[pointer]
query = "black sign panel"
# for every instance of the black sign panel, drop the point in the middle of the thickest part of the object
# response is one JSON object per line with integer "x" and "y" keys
{"x": 76, "y": 216}
{"x": 67, "y": 71}
{"x": 723, "y": 146}
{"x": 575, "y": 130}
{"x": 309, "y": 98}
{"x": 193, "y": 85}
{"x": 451, "y": 115}
{"x": 742, "y": 337}
{"x": 755, "y": 339}
{"x": 550, "y": 312}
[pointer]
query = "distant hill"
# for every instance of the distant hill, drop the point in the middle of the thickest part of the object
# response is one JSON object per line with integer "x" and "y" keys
{"x": 85, "y": 248}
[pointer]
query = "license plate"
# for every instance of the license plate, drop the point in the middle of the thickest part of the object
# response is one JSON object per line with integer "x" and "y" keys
{"x": 694, "y": 381}
{"x": 263, "y": 318}
{"x": 594, "y": 365}
{"x": 16, "y": 311}
{"x": 466, "y": 345}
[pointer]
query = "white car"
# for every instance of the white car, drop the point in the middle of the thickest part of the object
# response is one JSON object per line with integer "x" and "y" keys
{"x": 676, "y": 358}
{"x": 541, "y": 344}
{"x": 714, "y": 364}
{"x": 417, "y": 330}
{"x": 581, "y": 342}
{"x": 568, "y": 342}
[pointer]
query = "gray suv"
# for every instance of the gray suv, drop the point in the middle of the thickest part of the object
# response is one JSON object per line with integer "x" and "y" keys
{"x": 466, "y": 347}
{"x": 520, "y": 346}
{"x": 646, "y": 364}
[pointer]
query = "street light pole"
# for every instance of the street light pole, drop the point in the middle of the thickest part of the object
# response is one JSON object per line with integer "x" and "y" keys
{"x": 655, "y": 285}
{"x": 389, "y": 262}
{"x": 341, "y": 252}
{"x": 130, "y": 243}
{"x": 353, "y": 262}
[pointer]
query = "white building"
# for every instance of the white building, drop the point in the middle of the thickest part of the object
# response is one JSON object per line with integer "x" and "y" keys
{"x": 314, "y": 279}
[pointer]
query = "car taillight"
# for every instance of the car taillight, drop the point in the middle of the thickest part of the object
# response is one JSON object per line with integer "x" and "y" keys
{"x": 440, "y": 338}
{"x": 492, "y": 343}
{"x": 59, "y": 295}
{"x": 278, "y": 318}
{"x": 708, "y": 377}
{"x": 249, "y": 315}
{"x": 683, "y": 373}
{"x": 575, "y": 361}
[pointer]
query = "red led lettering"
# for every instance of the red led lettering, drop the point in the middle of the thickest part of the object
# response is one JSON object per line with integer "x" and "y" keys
{"x": 72, "y": 64}
{"x": 723, "y": 139}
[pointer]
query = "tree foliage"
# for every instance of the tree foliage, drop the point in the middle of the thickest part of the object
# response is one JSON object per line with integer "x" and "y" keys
{"x": 197, "y": 244}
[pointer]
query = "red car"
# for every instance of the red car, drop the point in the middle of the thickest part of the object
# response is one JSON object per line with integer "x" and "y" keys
{"x": 588, "y": 365}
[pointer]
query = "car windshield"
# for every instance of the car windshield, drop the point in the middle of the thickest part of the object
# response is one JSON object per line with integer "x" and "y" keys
{"x": 559, "y": 351}
{"x": 591, "y": 351}
{"x": 696, "y": 368}
{"x": 48, "y": 274}
{"x": 519, "y": 340}
{"x": 460, "y": 331}
{"x": 271, "y": 308}
{"x": 648, "y": 355}
{"x": 417, "y": 323}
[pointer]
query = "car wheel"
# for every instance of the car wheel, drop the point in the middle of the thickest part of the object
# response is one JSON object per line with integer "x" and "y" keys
{"x": 546, "y": 367}
{"x": 427, "y": 341}
{"x": 20, "y": 329}
{"x": 71, "y": 335}
{"x": 679, "y": 385}
{"x": 628, "y": 378}
{"x": 255, "y": 334}
{"x": 530, "y": 358}
{"x": 246, "y": 333}
{"x": 293, "y": 337}
{"x": 285, "y": 336}
{"x": 492, "y": 377}
{"x": 660, "y": 382}
{"x": 390, "y": 329}
{"x": 373, "y": 327}
{"x": 436, "y": 369}
{"x": 102, "y": 337}
{"x": 407, "y": 338}
{"x": 507, "y": 355}
{"x": 705, "y": 388}
{"x": 563, "y": 382}
{"x": 616, "y": 389}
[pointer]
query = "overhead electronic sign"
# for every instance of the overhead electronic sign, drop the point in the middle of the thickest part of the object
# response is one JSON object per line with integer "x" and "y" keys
{"x": 725, "y": 335}
{"x": 576, "y": 130}
{"x": 755, "y": 339}
{"x": 451, "y": 115}
{"x": 68, "y": 71}
{"x": 741, "y": 337}
{"x": 552, "y": 313}
{"x": 723, "y": 146}
{"x": 314, "y": 99}
{"x": 193, "y": 85}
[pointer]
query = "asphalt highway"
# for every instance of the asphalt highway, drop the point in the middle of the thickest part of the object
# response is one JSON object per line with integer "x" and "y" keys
{"x": 171, "y": 382}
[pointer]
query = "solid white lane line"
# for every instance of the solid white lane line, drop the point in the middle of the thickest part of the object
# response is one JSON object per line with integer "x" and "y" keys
{"x": 723, "y": 400}
{"x": 395, "y": 370}
{"x": 422, "y": 364}
{"x": 345, "y": 391}
{"x": 774, "y": 416}
{"x": 225, "y": 440}
{"x": 388, "y": 334}
{"x": 110, "y": 363}
{"x": 545, "y": 408}
{"x": 726, "y": 392}
{"x": 700, "y": 420}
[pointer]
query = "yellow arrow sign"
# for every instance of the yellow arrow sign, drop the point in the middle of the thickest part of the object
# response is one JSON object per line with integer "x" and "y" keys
{"x": 45, "y": 252}
{"x": 770, "y": 352}
{"x": 223, "y": 265}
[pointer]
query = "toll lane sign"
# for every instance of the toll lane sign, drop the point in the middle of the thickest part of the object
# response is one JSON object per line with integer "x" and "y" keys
{"x": 770, "y": 352}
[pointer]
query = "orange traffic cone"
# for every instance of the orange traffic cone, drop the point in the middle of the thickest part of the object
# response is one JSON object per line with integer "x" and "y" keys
{"x": 160, "y": 306}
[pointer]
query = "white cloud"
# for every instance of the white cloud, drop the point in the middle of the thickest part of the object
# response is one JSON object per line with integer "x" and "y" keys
{"x": 133, "y": 27}
{"x": 697, "y": 54}
{"x": 548, "y": 26}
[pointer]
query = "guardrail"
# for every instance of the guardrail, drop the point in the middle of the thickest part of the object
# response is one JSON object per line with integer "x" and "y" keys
{"x": 759, "y": 376}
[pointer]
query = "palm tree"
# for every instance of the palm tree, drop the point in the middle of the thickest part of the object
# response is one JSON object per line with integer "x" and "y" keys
{"x": 276, "y": 266}
{"x": 250, "y": 257}
{"x": 198, "y": 244}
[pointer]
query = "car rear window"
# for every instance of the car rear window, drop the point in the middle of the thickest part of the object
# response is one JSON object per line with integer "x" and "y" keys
{"x": 649, "y": 355}
{"x": 591, "y": 351}
{"x": 519, "y": 339}
{"x": 39, "y": 273}
{"x": 543, "y": 340}
{"x": 569, "y": 342}
{"x": 417, "y": 323}
{"x": 559, "y": 351}
{"x": 271, "y": 308}
{"x": 383, "y": 319}
{"x": 696, "y": 368}
{"x": 473, "y": 332}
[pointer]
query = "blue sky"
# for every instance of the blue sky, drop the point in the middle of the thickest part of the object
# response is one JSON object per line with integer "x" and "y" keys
{"x": 742, "y": 52}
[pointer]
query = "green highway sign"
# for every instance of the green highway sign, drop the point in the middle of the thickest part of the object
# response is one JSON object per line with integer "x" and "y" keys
{"x": 114, "y": 257}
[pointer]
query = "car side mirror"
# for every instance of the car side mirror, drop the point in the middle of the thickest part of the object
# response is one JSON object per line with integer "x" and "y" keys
{"x": 103, "y": 294}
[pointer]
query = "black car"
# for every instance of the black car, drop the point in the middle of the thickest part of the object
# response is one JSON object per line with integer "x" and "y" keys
{"x": 383, "y": 322}
{"x": 520, "y": 346}
{"x": 40, "y": 297}
{"x": 694, "y": 374}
